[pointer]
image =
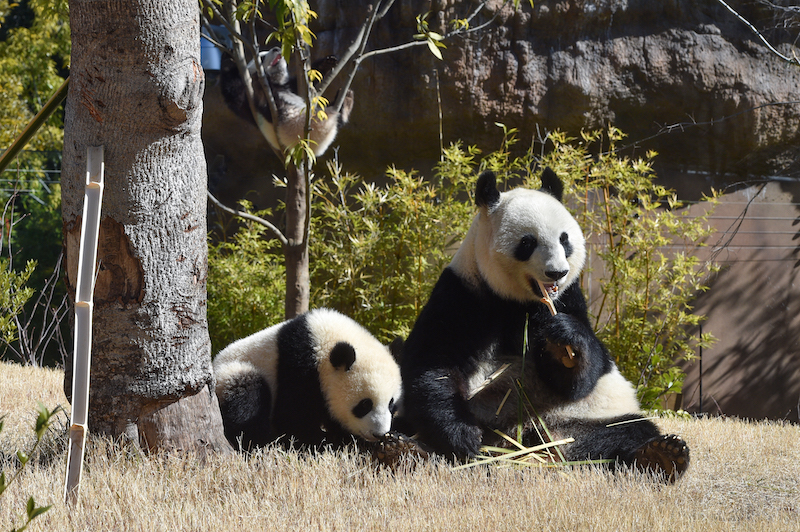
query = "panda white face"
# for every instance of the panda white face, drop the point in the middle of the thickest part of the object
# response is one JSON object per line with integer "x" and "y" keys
{"x": 275, "y": 66}
{"x": 359, "y": 377}
{"x": 363, "y": 389}
{"x": 520, "y": 238}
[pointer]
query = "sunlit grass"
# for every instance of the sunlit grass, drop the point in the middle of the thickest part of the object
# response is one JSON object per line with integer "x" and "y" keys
{"x": 744, "y": 476}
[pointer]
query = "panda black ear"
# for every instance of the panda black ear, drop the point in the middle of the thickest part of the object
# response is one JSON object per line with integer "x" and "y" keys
{"x": 396, "y": 348}
{"x": 343, "y": 356}
{"x": 486, "y": 193}
{"x": 552, "y": 184}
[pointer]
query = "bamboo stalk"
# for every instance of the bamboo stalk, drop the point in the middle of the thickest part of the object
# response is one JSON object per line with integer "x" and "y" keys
{"x": 569, "y": 362}
{"x": 34, "y": 125}
{"x": 82, "y": 356}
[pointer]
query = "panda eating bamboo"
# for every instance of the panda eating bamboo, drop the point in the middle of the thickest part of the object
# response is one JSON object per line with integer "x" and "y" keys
{"x": 467, "y": 371}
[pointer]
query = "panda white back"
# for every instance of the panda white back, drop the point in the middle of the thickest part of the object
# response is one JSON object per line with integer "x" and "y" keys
{"x": 255, "y": 353}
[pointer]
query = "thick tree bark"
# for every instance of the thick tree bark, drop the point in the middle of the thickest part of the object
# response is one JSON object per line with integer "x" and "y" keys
{"x": 136, "y": 87}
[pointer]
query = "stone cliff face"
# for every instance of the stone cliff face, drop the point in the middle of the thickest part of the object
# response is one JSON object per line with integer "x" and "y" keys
{"x": 571, "y": 64}
{"x": 642, "y": 65}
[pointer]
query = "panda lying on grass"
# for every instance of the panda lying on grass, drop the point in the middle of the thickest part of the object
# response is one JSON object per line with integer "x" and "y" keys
{"x": 456, "y": 392}
{"x": 314, "y": 380}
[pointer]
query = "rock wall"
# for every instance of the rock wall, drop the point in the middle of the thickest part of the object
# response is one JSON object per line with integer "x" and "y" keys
{"x": 642, "y": 65}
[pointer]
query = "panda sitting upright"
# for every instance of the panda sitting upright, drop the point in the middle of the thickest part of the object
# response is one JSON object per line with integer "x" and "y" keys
{"x": 466, "y": 350}
{"x": 317, "y": 379}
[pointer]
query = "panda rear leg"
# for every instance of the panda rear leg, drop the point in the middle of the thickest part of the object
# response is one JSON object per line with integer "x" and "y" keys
{"x": 245, "y": 407}
{"x": 666, "y": 456}
{"x": 631, "y": 440}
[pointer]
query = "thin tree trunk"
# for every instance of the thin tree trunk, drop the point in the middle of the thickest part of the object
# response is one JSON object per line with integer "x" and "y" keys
{"x": 296, "y": 251}
{"x": 136, "y": 87}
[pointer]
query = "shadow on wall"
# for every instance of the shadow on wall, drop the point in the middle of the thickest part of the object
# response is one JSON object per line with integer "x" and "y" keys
{"x": 753, "y": 308}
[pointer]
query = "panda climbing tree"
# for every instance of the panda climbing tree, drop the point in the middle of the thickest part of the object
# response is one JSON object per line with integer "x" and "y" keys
{"x": 297, "y": 116}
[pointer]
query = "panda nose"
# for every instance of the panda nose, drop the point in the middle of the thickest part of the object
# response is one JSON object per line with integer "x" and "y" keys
{"x": 555, "y": 275}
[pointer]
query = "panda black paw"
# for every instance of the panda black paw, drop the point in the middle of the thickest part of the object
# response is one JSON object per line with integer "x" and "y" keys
{"x": 396, "y": 448}
{"x": 564, "y": 330}
{"x": 666, "y": 456}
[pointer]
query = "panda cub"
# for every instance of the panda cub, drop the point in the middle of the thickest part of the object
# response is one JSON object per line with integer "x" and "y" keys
{"x": 317, "y": 379}
{"x": 291, "y": 107}
{"x": 466, "y": 350}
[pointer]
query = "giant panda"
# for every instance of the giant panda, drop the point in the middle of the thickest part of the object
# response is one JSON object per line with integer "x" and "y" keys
{"x": 314, "y": 380}
{"x": 467, "y": 348}
{"x": 291, "y": 107}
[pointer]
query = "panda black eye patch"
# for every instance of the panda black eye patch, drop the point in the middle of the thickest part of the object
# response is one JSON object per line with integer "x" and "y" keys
{"x": 525, "y": 248}
{"x": 363, "y": 408}
{"x": 565, "y": 243}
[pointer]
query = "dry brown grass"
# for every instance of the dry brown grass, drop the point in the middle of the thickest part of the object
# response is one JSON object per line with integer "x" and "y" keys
{"x": 744, "y": 476}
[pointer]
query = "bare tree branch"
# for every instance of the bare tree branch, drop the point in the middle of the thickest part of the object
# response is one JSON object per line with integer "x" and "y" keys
{"x": 355, "y": 49}
{"x": 793, "y": 60}
{"x": 239, "y": 43}
{"x": 683, "y": 126}
{"x": 253, "y": 218}
{"x": 358, "y": 46}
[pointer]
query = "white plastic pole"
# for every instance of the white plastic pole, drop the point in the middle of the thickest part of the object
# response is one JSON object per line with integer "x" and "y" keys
{"x": 82, "y": 356}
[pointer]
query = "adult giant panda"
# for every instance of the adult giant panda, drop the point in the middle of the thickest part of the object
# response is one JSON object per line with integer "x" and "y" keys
{"x": 316, "y": 379}
{"x": 467, "y": 348}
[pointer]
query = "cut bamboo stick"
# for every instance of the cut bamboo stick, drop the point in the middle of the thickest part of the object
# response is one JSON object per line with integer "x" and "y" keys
{"x": 570, "y": 361}
{"x": 82, "y": 355}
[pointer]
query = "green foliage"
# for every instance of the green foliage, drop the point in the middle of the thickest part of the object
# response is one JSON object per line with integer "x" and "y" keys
{"x": 34, "y": 57}
{"x": 432, "y": 38}
{"x": 13, "y": 296}
{"x": 33, "y": 61}
{"x": 646, "y": 240}
{"x": 245, "y": 283}
{"x": 44, "y": 419}
{"x": 292, "y": 17}
{"x": 33, "y": 223}
{"x": 379, "y": 250}
{"x": 37, "y": 227}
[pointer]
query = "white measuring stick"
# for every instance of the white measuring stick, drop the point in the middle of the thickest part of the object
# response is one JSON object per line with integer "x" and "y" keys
{"x": 82, "y": 356}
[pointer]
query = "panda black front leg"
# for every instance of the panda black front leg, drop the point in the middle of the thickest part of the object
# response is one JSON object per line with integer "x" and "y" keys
{"x": 572, "y": 378}
{"x": 438, "y": 405}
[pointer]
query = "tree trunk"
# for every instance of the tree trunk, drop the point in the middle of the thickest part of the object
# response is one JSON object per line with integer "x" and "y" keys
{"x": 296, "y": 252}
{"x": 136, "y": 87}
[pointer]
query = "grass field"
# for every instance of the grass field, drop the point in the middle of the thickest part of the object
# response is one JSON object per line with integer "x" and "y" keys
{"x": 744, "y": 476}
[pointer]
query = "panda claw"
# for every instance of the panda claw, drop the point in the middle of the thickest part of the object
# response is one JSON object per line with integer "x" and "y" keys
{"x": 391, "y": 449}
{"x": 666, "y": 456}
